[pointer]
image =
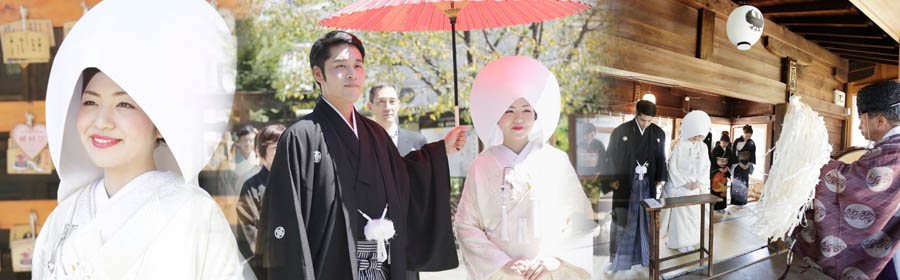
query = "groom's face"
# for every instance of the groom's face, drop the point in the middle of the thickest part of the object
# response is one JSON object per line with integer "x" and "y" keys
{"x": 344, "y": 74}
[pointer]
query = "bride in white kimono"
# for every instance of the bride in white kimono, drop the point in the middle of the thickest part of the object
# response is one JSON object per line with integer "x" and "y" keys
{"x": 139, "y": 94}
{"x": 688, "y": 175}
{"x": 523, "y": 213}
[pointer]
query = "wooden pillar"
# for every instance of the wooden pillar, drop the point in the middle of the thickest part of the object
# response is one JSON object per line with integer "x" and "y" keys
{"x": 573, "y": 140}
{"x": 706, "y": 33}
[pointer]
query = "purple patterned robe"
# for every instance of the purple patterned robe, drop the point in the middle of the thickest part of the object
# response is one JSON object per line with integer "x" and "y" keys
{"x": 853, "y": 228}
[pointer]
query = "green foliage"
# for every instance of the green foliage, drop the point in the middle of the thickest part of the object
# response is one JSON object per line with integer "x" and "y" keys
{"x": 562, "y": 133}
{"x": 592, "y": 189}
{"x": 274, "y": 46}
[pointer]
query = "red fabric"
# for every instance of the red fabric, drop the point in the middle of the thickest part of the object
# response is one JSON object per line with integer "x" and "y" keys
{"x": 424, "y": 15}
{"x": 720, "y": 183}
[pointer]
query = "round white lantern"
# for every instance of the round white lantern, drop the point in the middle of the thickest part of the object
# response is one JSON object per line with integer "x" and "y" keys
{"x": 744, "y": 27}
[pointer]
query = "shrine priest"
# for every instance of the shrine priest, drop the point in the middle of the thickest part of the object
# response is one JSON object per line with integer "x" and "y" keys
{"x": 853, "y": 228}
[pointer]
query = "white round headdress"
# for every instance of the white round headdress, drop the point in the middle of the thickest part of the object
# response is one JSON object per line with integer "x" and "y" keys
{"x": 175, "y": 58}
{"x": 695, "y": 123}
{"x": 503, "y": 81}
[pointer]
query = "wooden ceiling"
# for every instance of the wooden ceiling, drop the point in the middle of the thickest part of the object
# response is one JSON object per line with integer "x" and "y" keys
{"x": 837, "y": 26}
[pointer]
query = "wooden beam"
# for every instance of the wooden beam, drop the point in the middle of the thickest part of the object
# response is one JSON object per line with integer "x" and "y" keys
{"x": 62, "y": 11}
{"x": 635, "y": 60}
{"x": 860, "y": 74}
{"x": 839, "y": 74}
{"x": 831, "y": 46}
{"x": 782, "y": 50}
{"x": 743, "y": 108}
{"x": 15, "y": 212}
{"x": 760, "y": 3}
{"x": 751, "y": 120}
{"x": 868, "y": 55}
{"x": 883, "y": 13}
{"x": 869, "y": 59}
{"x": 829, "y": 21}
{"x": 12, "y": 113}
{"x": 857, "y": 64}
{"x": 706, "y": 34}
{"x": 844, "y": 32}
{"x": 863, "y": 69}
{"x": 724, "y": 7}
{"x": 883, "y": 72}
{"x": 872, "y": 43}
{"x": 808, "y": 9}
{"x": 824, "y": 107}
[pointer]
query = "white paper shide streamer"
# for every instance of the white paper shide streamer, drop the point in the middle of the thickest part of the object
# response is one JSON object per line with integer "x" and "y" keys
{"x": 380, "y": 230}
{"x": 801, "y": 150}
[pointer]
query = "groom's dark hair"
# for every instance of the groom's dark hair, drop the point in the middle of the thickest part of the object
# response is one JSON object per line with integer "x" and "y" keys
{"x": 319, "y": 52}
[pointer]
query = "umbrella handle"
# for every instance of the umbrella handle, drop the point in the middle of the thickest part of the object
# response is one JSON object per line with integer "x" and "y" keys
{"x": 455, "y": 78}
{"x": 456, "y": 114}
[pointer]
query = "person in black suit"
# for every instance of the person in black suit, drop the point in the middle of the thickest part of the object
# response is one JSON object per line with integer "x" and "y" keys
{"x": 384, "y": 104}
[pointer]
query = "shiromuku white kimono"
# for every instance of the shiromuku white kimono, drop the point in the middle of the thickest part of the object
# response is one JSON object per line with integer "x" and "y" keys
{"x": 176, "y": 59}
{"x": 688, "y": 163}
{"x": 155, "y": 227}
{"x": 546, "y": 211}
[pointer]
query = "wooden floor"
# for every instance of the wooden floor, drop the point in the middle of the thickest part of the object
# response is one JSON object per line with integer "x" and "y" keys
{"x": 735, "y": 246}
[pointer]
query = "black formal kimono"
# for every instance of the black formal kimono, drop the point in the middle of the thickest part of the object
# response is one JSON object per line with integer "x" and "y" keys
{"x": 708, "y": 141}
{"x": 744, "y": 151}
{"x": 322, "y": 175}
{"x": 718, "y": 186}
{"x": 628, "y": 148}
{"x": 248, "y": 207}
{"x": 407, "y": 142}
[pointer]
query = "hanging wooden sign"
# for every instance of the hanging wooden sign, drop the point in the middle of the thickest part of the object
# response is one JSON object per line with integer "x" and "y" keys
{"x": 24, "y": 48}
{"x": 21, "y": 244}
{"x": 67, "y": 27}
{"x": 27, "y": 151}
{"x": 69, "y": 24}
{"x": 34, "y": 25}
{"x": 792, "y": 77}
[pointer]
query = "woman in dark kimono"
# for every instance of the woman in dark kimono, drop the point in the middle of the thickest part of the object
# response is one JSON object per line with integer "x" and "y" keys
{"x": 719, "y": 173}
{"x": 743, "y": 160}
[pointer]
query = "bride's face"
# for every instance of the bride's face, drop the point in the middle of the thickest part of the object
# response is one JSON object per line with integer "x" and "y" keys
{"x": 114, "y": 130}
{"x": 517, "y": 121}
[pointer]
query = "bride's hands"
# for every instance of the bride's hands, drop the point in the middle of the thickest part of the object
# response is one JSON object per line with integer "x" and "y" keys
{"x": 540, "y": 266}
{"x": 515, "y": 267}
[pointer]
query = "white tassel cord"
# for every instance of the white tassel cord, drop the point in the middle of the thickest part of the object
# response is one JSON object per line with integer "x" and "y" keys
{"x": 802, "y": 149}
{"x": 504, "y": 224}
{"x": 379, "y": 230}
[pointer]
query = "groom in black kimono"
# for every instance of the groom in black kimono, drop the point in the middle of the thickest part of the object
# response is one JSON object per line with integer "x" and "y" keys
{"x": 334, "y": 165}
{"x": 637, "y": 163}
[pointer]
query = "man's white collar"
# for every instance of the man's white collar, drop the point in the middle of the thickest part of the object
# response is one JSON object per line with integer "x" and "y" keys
{"x": 892, "y": 132}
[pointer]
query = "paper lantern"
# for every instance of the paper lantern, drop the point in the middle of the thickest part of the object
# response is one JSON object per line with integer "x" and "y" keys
{"x": 744, "y": 27}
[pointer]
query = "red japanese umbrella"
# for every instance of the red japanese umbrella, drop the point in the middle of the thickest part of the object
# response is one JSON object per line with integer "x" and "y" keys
{"x": 431, "y": 15}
